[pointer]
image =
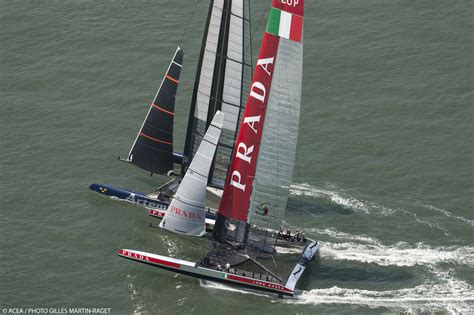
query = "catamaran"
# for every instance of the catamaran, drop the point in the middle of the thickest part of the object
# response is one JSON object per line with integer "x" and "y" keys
{"x": 246, "y": 242}
{"x": 222, "y": 82}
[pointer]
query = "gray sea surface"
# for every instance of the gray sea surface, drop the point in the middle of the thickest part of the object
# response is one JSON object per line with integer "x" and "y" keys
{"x": 384, "y": 174}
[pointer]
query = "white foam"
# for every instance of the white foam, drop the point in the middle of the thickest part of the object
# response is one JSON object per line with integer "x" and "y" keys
{"x": 287, "y": 250}
{"x": 448, "y": 214}
{"x": 336, "y": 197}
{"x": 344, "y": 236}
{"x": 171, "y": 246}
{"x": 181, "y": 301}
{"x": 133, "y": 295}
{"x": 400, "y": 254}
{"x": 367, "y": 249}
{"x": 454, "y": 296}
{"x": 432, "y": 225}
{"x": 219, "y": 286}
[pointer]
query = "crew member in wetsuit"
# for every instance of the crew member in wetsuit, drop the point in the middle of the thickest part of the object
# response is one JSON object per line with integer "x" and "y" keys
{"x": 161, "y": 197}
{"x": 298, "y": 235}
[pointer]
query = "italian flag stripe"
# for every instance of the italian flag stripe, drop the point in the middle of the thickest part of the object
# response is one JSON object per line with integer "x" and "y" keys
{"x": 296, "y": 28}
{"x": 285, "y": 24}
{"x": 274, "y": 21}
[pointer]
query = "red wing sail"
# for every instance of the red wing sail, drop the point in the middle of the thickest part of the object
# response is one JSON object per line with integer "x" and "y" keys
{"x": 238, "y": 188}
{"x": 285, "y": 22}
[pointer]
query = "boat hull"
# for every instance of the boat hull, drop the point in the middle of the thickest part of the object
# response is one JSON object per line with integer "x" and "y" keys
{"x": 194, "y": 270}
{"x": 133, "y": 197}
{"x": 156, "y": 208}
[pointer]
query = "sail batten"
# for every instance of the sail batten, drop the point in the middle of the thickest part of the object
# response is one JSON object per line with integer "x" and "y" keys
{"x": 152, "y": 149}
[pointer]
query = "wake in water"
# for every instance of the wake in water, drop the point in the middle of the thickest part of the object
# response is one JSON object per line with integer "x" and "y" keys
{"x": 219, "y": 286}
{"x": 447, "y": 293}
{"x": 336, "y": 197}
{"x": 372, "y": 208}
{"x": 449, "y": 214}
{"x": 399, "y": 254}
{"x": 370, "y": 250}
{"x": 344, "y": 236}
{"x": 454, "y": 296}
{"x": 134, "y": 296}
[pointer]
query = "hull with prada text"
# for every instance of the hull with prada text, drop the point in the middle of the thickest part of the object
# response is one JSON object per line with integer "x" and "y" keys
{"x": 232, "y": 277}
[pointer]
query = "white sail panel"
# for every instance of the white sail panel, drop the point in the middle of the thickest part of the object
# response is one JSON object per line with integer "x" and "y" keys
{"x": 238, "y": 8}
{"x": 186, "y": 213}
{"x": 276, "y": 158}
{"x": 231, "y": 99}
{"x": 208, "y": 62}
{"x": 232, "y": 92}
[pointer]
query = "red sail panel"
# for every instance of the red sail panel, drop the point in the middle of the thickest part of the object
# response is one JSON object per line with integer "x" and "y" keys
{"x": 238, "y": 188}
{"x": 290, "y": 6}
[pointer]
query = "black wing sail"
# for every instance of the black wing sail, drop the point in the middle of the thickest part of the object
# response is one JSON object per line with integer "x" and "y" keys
{"x": 153, "y": 146}
{"x": 222, "y": 82}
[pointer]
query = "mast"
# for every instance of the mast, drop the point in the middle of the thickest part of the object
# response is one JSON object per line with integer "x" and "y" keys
{"x": 188, "y": 146}
{"x": 261, "y": 169}
{"x": 152, "y": 149}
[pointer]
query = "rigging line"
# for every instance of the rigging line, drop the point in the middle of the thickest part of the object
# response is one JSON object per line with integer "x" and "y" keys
{"x": 196, "y": 5}
{"x": 250, "y": 32}
{"x": 297, "y": 167}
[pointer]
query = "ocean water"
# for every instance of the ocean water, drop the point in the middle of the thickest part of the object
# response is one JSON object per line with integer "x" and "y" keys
{"x": 384, "y": 174}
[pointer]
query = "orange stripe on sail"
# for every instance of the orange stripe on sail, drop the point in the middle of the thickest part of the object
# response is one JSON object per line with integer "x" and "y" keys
{"x": 154, "y": 139}
{"x": 172, "y": 79}
{"x": 162, "y": 109}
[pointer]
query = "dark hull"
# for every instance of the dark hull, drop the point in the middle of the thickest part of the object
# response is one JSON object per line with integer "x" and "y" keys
{"x": 157, "y": 208}
{"x": 133, "y": 197}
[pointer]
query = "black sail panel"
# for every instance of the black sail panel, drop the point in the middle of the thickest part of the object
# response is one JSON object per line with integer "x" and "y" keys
{"x": 222, "y": 82}
{"x": 153, "y": 147}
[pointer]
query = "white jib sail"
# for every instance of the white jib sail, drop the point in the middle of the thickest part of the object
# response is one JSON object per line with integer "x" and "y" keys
{"x": 186, "y": 213}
